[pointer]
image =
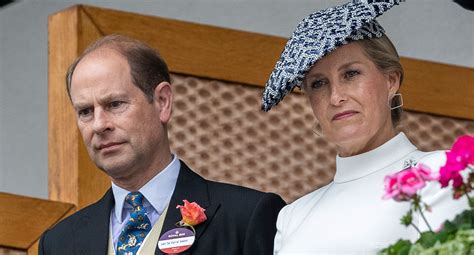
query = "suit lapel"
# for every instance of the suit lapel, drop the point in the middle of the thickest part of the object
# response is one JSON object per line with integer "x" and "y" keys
{"x": 192, "y": 187}
{"x": 91, "y": 231}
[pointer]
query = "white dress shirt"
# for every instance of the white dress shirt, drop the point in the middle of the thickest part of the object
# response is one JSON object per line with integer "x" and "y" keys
{"x": 348, "y": 216}
{"x": 157, "y": 195}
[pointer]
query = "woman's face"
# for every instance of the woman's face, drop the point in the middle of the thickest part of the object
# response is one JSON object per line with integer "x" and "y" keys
{"x": 350, "y": 97}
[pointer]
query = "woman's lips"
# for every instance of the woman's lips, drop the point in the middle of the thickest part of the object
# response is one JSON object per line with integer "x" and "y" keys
{"x": 344, "y": 115}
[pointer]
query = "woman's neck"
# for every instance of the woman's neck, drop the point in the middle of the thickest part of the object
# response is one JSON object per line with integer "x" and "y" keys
{"x": 362, "y": 144}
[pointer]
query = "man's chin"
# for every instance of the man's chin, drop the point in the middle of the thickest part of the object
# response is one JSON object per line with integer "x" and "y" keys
{"x": 113, "y": 168}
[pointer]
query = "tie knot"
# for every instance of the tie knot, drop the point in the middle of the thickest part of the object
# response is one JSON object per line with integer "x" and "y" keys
{"x": 135, "y": 199}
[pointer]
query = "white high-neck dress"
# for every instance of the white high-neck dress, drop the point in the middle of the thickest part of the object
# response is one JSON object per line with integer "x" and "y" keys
{"x": 348, "y": 216}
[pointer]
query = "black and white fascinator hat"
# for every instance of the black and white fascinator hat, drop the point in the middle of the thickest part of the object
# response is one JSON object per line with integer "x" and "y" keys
{"x": 317, "y": 35}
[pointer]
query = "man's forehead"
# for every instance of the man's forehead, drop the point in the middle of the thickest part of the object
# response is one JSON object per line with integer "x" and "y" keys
{"x": 100, "y": 54}
{"x": 101, "y": 70}
{"x": 100, "y": 61}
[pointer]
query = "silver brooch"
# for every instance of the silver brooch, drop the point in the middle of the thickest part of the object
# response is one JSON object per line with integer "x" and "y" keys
{"x": 409, "y": 163}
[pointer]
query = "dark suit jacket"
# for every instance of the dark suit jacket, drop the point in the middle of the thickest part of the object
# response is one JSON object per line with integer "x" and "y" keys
{"x": 239, "y": 220}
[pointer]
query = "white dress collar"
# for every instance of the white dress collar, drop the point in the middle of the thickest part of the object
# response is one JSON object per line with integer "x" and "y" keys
{"x": 358, "y": 166}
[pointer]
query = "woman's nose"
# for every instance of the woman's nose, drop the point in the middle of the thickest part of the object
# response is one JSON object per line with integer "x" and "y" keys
{"x": 338, "y": 94}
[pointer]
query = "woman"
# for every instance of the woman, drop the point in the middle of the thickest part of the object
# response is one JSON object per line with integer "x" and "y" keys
{"x": 351, "y": 75}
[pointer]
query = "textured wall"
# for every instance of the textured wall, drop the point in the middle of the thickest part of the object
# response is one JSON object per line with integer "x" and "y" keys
{"x": 219, "y": 131}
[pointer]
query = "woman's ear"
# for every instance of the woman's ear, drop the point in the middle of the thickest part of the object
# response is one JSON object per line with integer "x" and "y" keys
{"x": 393, "y": 82}
{"x": 163, "y": 100}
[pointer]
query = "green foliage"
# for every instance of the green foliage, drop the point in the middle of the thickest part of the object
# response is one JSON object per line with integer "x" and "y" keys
{"x": 471, "y": 202}
{"x": 401, "y": 247}
{"x": 407, "y": 218}
{"x": 427, "y": 239}
{"x": 462, "y": 244}
{"x": 455, "y": 238}
{"x": 465, "y": 220}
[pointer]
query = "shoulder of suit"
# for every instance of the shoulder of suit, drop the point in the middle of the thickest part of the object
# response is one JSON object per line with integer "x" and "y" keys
{"x": 71, "y": 220}
{"x": 222, "y": 187}
{"x": 63, "y": 228}
{"x": 232, "y": 188}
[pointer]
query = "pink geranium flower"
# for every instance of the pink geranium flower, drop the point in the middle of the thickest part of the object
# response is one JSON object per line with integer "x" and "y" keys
{"x": 450, "y": 172}
{"x": 458, "y": 171}
{"x": 462, "y": 151}
{"x": 404, "y": 185}
{"x": 425, "y": 173}
{"x": 391, "y": 188}
{"x": 458, "y": 159}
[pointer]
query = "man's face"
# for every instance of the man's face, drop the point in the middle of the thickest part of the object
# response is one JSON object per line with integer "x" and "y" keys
{"x": 122, "y": 130}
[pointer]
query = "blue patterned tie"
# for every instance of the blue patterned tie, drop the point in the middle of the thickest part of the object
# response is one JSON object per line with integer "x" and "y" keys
{"x": 137, "y": 227}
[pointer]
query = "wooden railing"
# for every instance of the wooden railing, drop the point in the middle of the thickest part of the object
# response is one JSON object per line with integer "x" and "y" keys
{"x": 24, "y": 219}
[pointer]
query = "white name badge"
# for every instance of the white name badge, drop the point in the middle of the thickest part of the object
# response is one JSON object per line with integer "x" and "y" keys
{"x": 176, "y": 240}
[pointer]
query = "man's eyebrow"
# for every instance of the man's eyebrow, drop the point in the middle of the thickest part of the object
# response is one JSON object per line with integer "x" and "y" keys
{"x": 102, "y": 99}
{"x": 111, "y": 96}
{"x": 79, "y": 105}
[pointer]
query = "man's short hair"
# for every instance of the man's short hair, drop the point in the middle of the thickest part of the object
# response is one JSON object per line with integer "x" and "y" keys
{"x": 147, "y": 68}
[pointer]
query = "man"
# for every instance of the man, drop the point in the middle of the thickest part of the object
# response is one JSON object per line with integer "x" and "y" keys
{"x": 121, "y": 93}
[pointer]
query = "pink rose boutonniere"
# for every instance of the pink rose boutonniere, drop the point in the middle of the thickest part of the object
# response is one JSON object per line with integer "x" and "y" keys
{"x": 192, "y": 213}
{"x": 453, "y": 237}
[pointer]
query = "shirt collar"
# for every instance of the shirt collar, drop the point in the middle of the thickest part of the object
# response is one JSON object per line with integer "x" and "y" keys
{"x": 157, "y": 191}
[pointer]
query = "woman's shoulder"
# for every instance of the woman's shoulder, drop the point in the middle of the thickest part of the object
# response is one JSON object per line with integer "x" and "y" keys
{"x": 293, "y": 215}
{"x": 308, "y": 198}
{"x": 298, "y": 209}
{"x": 433, "y": 159}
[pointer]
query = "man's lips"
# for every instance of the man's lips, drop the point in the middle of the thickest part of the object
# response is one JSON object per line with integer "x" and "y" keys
{"x": 105, "y": 146}
{"x": 344, "y": 115}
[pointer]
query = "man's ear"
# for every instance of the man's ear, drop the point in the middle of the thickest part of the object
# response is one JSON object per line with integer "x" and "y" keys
{"x": 393, "y": 82}
{"x": 163, "y": 100}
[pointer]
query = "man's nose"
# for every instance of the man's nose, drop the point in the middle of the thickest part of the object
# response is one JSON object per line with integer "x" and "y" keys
{"x": 102, "y": 122}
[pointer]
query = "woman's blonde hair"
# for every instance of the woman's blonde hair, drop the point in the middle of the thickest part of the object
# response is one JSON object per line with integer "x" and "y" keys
{"x": 384, "y": 55}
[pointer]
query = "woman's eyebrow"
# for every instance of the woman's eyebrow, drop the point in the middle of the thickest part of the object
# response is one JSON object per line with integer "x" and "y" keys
{"x": 348, "y": 64}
